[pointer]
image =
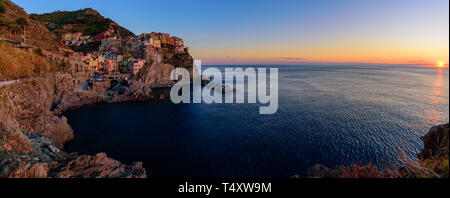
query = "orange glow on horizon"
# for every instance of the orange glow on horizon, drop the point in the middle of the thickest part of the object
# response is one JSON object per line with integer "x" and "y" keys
{"x": 332, "y": 53}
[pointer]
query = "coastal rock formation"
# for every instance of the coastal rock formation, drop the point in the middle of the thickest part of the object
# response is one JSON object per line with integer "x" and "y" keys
{"x": 434, "y": 155}
{"x": 159, "y": 65}
{"x": 30, "y": 171}
{"x": 183, "y": 60}
{"x": 435, "y": 142}
{"x": 33, "y": 129}
{"x": 321, "y": 171}
{"x": 100, "y": 166}
{"x": 156, "y": 73}
{"x": 15, "y": 141}
{"x": 27, "y": 107}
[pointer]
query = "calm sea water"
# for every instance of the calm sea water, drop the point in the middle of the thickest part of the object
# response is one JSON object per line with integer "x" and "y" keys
{"x": 327, "y": 115}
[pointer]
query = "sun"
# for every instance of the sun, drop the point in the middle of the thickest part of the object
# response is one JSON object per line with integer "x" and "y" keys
{"x": 441, "y": 64}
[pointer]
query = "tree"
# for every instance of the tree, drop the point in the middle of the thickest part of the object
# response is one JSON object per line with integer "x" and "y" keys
{"x": 2, "y": 8}
{"x": 64, "y": 66}
{"x": 22, "y": 21}
{"x": 39, "y": 52}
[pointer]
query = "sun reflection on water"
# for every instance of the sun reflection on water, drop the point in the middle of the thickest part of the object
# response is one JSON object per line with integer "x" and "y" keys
{"x": 433, "y": 116}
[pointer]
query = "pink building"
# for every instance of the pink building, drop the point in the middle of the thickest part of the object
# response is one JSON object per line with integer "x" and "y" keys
{"x": 179, "y": 50}
{"x": 111, "y": 65}
{"x": 136, "y": 67}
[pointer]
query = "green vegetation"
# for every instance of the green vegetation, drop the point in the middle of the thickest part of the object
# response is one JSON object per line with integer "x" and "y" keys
{"x": 16, "y": 25}
{"x": 15, "y": 63}
{"x": 87, "y": 21}
{"x": 65, "y": 67}
{"x": 2, "y": 8}
{"x": 5, "y": 22}
{"x": 39, "y": 52}
{"x": 21, "y": 21}
{"x": 2, "y": 11}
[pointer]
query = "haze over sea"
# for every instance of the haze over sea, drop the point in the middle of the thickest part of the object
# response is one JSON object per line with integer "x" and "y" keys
{"x": 329, "y": 115}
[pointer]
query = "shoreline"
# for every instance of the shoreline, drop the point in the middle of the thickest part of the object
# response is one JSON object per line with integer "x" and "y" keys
{"x": 35, "y": 140}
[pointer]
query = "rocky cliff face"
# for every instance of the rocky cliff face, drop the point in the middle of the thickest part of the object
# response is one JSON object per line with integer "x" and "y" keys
{"x": 435, "y": 142}
{"x": 155, "y": 73}
{"x": 33, "y": 129}
{"x": 434, "y": 155}
{"x": 159, "y": 66}
{"x": 183, "y": 60}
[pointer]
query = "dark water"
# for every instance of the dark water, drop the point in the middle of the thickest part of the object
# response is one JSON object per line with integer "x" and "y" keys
{"x": 330, "y": 115}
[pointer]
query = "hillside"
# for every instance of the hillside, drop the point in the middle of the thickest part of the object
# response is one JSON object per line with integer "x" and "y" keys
{"x": 13, "y": 21}
{"x": 87, "y": 21}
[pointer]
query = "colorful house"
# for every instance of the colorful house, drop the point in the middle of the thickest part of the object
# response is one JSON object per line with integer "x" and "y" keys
{"x": 157, "y": 43}
{"x": 179, "y": 49}
{"x": 99, "y": 37}
{"x": 172, "y": 41}
{"x": 164, "y": 41}
{"x": 111, "y": 65}
{"x": 137, "y": 66}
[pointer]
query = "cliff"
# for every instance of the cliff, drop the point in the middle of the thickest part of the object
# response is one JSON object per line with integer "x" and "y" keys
{"x": 33, "y": 129}
{"x": 159, "y": 65}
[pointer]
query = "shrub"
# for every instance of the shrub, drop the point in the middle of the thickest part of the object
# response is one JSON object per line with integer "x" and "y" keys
{"x": 5, "y": 22}
{"x": 39, "y": 52}
{"x": 65, "y": 67}
{"x": 18, "y": 64}
{"x": 22, "y": 21}
{"x": 2, "y": 8}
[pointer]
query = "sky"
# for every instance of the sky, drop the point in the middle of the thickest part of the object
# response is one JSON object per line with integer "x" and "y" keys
{"x": 286, "y": 31}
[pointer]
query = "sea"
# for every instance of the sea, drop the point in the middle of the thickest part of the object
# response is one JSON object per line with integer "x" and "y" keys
{"x": 330, "y": 115}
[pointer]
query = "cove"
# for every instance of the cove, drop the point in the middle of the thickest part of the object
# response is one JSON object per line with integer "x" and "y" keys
{"x": 323, "y": 118}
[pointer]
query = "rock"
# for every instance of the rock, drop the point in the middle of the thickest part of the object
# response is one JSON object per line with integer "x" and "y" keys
{"x": 100, "y": 166}
{"x": 12, "y": 140}
{"x": 30, "y": 171}
{"x": 183, "y": 60}
{"x": 53, "y": 148}
{"x": 159, "y": 65}
{"x": 156, "y": 73}
{"x": 320, "y": 171}
{"x": 435, "y": 142}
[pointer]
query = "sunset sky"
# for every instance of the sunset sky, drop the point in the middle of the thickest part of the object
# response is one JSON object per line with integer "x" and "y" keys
{"x": 286, "y": 32}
